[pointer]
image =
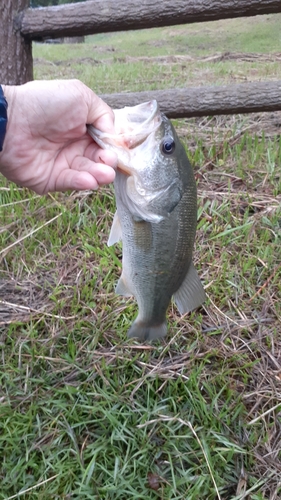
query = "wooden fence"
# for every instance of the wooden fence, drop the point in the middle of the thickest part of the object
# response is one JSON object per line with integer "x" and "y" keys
{"x": 21, "y": 25}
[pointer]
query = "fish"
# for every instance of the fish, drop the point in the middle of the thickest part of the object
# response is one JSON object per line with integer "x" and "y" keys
{"x": 156, "y": 217}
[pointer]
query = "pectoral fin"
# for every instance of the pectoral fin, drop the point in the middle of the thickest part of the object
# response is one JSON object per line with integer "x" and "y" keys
{"x": 191, "y": 294}
{"x": 152, "y": 206}
{"x": 134, "y": 202}
{"x": 115, "y": 231}
{"x": 166, "y": 200}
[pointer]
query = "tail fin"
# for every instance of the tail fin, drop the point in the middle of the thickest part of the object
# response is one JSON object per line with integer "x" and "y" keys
{"x": 146, "y": 332}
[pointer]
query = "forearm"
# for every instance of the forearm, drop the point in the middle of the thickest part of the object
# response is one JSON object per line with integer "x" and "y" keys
{"x": 3, "y": 117}
{"x": 10, "y": 138}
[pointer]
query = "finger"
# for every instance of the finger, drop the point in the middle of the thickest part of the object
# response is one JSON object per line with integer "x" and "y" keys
{"x": 99, "y": 155}
{"x": 74, "y": 180}
{"x": 105, "y": 122}
{"x": 83, "y": 174}
{"x": 103, "y": 173}
{"x": 100, "y": 114}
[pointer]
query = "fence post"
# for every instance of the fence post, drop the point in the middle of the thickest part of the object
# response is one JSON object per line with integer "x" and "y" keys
{"x": 16, "y": 64}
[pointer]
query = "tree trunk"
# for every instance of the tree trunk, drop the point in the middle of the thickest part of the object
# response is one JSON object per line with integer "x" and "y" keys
{"x": 204, "y": 101}
{"x": 100, "y": 16}
{"x": 16, "y": 65}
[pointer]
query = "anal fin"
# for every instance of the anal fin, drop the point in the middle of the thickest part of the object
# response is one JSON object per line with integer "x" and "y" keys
{"x": 191, "y": 294}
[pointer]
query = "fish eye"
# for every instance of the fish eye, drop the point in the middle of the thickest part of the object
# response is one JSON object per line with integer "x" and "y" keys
{"x": 168, "y": 146}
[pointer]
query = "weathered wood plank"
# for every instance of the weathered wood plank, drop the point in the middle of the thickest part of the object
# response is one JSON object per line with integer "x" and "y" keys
{"x": 202, "y": 101}
{"x": 108, "y": 15}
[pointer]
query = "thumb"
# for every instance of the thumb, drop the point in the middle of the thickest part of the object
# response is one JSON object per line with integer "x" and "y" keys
{"x": 100, "y": 114}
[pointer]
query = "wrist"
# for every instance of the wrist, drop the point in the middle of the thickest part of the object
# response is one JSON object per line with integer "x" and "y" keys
{"x": 9, "y": 141}
{"x": 3, "y": 117}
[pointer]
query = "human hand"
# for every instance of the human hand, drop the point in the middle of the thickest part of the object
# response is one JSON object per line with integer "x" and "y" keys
{"x": 47, "y": 147}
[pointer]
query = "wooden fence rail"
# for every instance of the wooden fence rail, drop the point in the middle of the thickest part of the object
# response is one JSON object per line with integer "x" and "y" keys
{"x": 203, "y": 101}
{"x": 114, "y": 15}
{"x": 21, "y": 25}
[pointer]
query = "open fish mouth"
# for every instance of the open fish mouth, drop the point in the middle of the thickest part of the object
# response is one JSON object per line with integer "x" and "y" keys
{"x": 133, "y": 125}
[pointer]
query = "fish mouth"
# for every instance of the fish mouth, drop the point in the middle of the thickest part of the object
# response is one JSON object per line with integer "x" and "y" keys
{"x": 139, "y": 122}
{"x": 133, "y": 125}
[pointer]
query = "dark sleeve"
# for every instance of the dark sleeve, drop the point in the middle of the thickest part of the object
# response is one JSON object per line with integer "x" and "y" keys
{"x": 3, "y": 117}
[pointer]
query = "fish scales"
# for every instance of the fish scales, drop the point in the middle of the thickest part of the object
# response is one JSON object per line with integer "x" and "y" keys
{"x": 154, "y": 275}
{"x": 156, "y": 218}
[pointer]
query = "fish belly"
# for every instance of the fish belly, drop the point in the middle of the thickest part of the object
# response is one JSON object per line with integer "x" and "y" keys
{"x": 156, "y": 259}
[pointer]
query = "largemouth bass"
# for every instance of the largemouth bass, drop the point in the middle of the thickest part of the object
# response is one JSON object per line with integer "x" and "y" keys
{"x": 156, "y": 217}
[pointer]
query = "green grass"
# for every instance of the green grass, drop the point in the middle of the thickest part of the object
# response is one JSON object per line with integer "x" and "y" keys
{"x": 87, "y": 414}
{"x": 138, "y": 60}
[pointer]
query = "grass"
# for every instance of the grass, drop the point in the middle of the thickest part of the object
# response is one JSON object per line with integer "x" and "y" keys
{"x": 143, "y": 60}
{"x": 87, "y": 414}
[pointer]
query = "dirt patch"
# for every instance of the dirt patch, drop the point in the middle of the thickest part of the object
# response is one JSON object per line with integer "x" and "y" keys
{"x": 22, "y": 299}
{"x": 170, "y": 59}
{"x": 226, "y": 56}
